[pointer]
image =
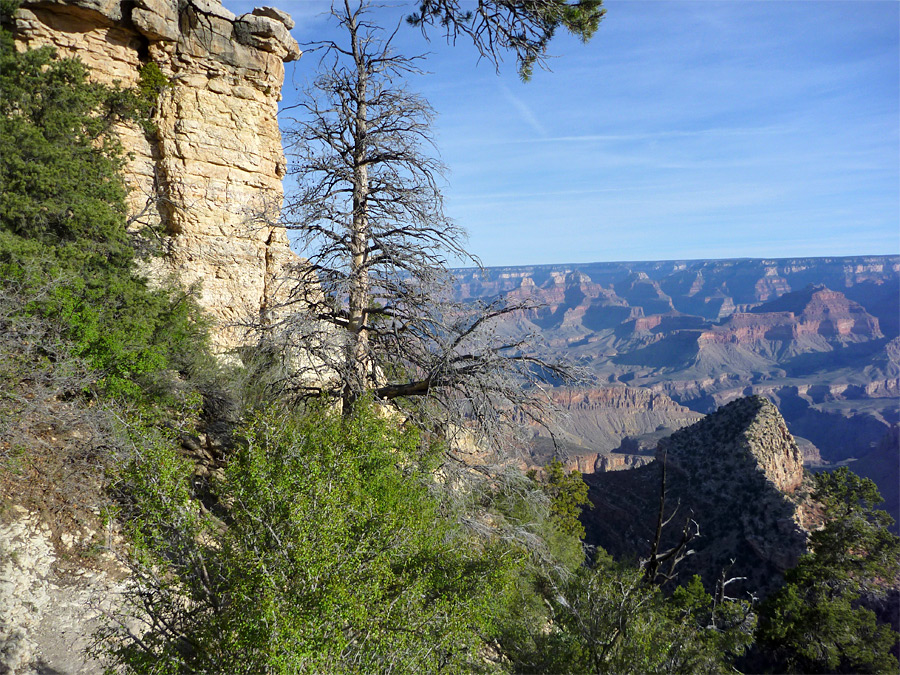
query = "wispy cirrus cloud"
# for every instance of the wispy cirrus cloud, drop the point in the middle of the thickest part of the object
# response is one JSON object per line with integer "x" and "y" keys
{"x": 525, "y": 112}
{"x": 684, "y": 129}
{"x": 658, "y": 135}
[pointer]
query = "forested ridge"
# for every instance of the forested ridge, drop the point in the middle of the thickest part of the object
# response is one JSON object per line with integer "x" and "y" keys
{"x": 271, "y": 527}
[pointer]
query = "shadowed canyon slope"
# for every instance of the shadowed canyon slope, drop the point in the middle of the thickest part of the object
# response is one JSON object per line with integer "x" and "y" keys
{"x": 737, "y": 474}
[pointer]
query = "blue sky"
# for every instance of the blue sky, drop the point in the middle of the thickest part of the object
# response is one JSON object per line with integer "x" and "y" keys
{"x": 699, "y": 129}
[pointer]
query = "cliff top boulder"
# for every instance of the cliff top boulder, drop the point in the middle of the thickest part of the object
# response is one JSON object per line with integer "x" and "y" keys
{"x": 170, "y": 20}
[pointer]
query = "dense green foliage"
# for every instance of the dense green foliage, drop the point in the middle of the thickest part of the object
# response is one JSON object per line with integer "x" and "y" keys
{"x": 65, "y": 252}
{"x": 815, "y": 623}
{"x": 335, "y": 546}
{"x": 568, "y": 494}
{"x": 606, "y": 619}
{"x": 333, "y": 554}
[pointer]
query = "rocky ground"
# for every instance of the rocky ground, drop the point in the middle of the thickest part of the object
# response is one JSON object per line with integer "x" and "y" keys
{"x": 51, "y": 603}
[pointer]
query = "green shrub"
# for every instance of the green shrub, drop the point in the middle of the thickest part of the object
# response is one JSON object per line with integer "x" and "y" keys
{"x": 568, "y": 495}
{"x": 151, "y": 82}
{"x": 606, "y": 619}
{"x": 65, "y": 252}
{"x": 333, "y": 554}
{"x": 816, "y": 623}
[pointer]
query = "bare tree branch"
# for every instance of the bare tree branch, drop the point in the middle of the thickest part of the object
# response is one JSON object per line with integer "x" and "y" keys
{"x": 370, "y": 311}
{"x": 675, "y": 554}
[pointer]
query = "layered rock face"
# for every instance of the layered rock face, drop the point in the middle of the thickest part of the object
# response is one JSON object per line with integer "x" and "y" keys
{"x": 595, "y": 422}
{"x": 817, "y": 336}
{"x": 211, "y": 174}
{"x": 620, "y": 462}
{"x": 813, "y": 311}
{"x": 737, "y": 473}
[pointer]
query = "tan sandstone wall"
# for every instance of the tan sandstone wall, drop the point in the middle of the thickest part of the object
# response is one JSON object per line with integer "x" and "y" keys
{"x": 212, "y": 172}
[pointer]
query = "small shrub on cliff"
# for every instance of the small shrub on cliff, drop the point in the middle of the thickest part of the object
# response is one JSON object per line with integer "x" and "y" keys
{"x": 568, "y": 494}
{"x": 151, "y": 83}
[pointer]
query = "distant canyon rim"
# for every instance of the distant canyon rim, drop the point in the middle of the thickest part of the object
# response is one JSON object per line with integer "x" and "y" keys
{"x": 667, "y": 342}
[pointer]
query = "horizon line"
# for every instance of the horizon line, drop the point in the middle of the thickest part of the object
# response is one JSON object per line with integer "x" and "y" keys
{"x": 685, "y": 260}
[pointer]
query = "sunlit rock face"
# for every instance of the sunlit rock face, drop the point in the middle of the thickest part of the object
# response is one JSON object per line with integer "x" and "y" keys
{"x": 794, "y": 316}
{"x": 211, "y": 172}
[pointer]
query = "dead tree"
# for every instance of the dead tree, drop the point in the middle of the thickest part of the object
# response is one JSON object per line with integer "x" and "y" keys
{"x": 671, "y": 557}
{"x": 371, "y": 310}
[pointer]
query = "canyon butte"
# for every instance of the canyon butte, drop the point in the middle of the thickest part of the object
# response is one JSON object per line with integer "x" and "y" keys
{"x": 734, "y": 480}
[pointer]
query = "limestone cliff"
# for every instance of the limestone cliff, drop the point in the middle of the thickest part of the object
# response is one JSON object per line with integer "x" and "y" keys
{"x": 211, "y": 174}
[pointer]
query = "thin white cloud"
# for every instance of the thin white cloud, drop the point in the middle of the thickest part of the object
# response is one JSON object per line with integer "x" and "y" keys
{"x": 514, "y": 196}
{"x": 656, "y": 135}
{"x": 525, "y": 112}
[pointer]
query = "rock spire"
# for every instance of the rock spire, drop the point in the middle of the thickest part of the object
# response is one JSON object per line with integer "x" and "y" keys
{"x": 737, "y": 474}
